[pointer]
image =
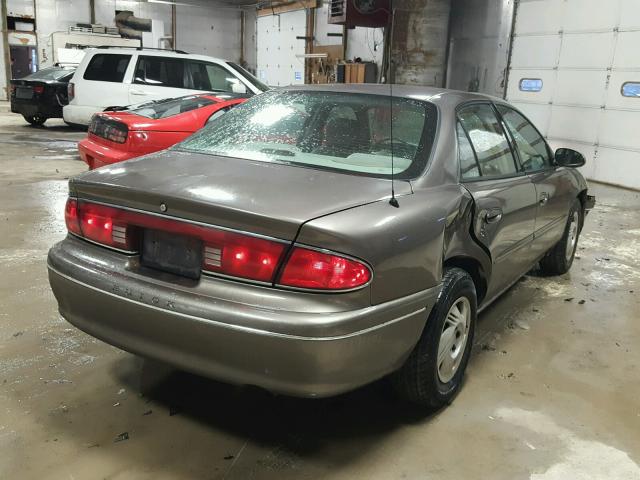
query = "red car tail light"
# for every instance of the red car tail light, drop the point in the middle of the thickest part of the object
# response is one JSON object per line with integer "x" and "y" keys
{"x": 38, "y": 89}
{"x": 316, "y": 270}
{"x": 71, "y": 91}
{"x": 110, "y": 129}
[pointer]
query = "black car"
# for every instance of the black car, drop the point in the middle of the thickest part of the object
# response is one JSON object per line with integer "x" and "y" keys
{"x": 42, "y": 94}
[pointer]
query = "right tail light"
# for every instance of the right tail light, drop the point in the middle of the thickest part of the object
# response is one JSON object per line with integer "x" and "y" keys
{"x": 319, "y": 270}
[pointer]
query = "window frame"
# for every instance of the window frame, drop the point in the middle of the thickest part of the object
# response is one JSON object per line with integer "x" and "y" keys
{"x": 518, "y": 173}
{"x": 552, "y": 163}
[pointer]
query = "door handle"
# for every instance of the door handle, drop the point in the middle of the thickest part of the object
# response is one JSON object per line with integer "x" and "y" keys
{"x": 493, "y": 216}
{"x": 544, "y": 198}
{"x": 138, "y": 92}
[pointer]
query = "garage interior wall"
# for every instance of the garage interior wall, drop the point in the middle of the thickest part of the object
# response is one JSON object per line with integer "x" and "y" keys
{"x": 569, "y": 62}
{"x": 203, "y": 27}
{"x": 479, "y": 41}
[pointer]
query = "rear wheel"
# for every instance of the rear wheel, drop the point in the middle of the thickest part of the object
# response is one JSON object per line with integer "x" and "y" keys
{"x": 559, "y": 259}
{"x": 433, "y": 373}
{"x": 37, "y": 120}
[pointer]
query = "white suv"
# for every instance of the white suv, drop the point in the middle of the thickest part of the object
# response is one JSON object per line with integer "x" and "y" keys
{"x": 110, "y": 77}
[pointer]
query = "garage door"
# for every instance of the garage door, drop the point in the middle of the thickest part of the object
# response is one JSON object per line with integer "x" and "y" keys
{"x": 575, "y": 70}
{"x": 278, "y": 57}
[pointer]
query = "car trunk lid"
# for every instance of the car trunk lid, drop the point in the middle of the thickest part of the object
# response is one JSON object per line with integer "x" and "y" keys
{"x": 265, "y": 198}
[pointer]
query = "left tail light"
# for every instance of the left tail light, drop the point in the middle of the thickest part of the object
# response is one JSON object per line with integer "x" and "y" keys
{"x": 71, "y": 91}
{"x": 99, "y": 223}
{"x": 38, "y": 89}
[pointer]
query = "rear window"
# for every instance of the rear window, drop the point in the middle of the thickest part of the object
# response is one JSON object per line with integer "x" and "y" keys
{"x": 51, "y": 73}
{"x": 326, "y": 130}
{"x": 161, "y": 72}
{"x": 172, "y": 106}
{"x": 107, "y": 67}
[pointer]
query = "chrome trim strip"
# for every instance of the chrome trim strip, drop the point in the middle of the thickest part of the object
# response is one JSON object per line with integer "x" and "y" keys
{"x": 549, "y": 226}
{"x": 255, "y": 331}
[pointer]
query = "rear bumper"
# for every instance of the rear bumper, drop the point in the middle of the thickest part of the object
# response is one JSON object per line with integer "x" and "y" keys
{"x": 96, "y": 155}
{"x": 29, "y": 108}
{"x": 79, "y": 114}
{"x": 238, "y": 333}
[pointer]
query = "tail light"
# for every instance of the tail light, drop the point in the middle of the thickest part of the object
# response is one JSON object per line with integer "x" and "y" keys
{"x": 13, "y": 89}
{"x": 312, "y": 269}
{"x": 71, "y": 216}
{"x": 71, "y": 91}
{"x": 38, "y": 89}
{"x": 110, "y": 129}
{"x": 224, "y": 252}
{"x": 99, "y": 223}
{"x": 241, "y": 256}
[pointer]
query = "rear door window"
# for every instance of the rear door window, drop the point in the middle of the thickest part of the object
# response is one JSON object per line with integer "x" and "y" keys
{"x": 211, "y": 77}
{"x": 107, "y": 67}
{"x": 488, "y": 140}
{"x": 532, "y": 149}
{"x": 161, "y": 72}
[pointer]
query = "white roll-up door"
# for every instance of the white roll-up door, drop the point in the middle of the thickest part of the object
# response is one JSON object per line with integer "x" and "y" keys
{"x": 278, "y": 46}
{"x": 575, "y": 71}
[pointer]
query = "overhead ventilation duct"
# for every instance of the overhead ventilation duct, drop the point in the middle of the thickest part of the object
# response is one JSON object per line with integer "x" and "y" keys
{"x": 131, "y": 26}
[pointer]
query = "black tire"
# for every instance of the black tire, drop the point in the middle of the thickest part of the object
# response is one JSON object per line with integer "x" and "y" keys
{"x": 36, "y": 120}
{"x": 557, "y": 261}
{"x": 419, "y": 379}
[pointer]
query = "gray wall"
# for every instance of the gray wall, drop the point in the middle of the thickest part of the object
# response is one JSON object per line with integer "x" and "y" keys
{"x": 479, "y": 44}
{"x": 419, "y": 43}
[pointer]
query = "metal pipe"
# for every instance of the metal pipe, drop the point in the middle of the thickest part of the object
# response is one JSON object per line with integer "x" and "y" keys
{"x": 242, "y": 33}
{"x": 5, "y": 43}
{"x": 174, "y": 27}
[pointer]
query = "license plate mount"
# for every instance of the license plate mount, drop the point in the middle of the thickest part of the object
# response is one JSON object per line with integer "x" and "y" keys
{"x": 24, "y": 92}
{"x": 177, "y": 254}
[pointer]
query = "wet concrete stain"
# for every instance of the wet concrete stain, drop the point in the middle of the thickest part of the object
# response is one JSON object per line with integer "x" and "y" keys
{"x": 551, "y": 391}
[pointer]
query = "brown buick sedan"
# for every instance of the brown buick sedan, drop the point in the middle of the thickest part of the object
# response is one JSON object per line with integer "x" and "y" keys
{"x": 315, "y": 239}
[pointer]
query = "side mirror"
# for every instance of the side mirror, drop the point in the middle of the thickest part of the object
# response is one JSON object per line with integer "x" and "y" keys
{"x": 565, "y": 157}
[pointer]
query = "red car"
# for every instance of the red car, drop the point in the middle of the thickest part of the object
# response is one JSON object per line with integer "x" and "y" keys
{"x": 115, "y": 136}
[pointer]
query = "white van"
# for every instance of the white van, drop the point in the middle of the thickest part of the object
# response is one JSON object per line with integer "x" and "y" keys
{"x": 113, "y": 77}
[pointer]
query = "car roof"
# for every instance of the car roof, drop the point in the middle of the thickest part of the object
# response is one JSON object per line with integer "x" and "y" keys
{"x": 416, "y": 92}
{"x": 154, "y": 53}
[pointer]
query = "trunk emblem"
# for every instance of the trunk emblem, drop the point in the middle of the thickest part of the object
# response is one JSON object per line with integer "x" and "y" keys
{"x": 163, "y": 207}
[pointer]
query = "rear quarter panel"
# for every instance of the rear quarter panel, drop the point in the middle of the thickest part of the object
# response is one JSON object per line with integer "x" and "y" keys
{"x": 404, "y": 246}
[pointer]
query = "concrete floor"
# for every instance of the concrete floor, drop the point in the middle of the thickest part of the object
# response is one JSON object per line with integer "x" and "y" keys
{"x": 552, "y": 390}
